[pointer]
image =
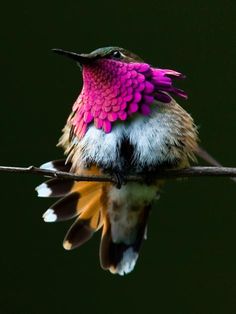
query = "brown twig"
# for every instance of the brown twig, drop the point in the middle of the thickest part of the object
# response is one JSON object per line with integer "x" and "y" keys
{"x": 163, "y": 174}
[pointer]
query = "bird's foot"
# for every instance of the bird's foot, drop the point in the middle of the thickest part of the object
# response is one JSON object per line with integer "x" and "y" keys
{"x": 118, "y": 179}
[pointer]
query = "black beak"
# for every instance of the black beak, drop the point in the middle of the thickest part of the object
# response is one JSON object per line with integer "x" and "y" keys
{"x": 80, "y": 58}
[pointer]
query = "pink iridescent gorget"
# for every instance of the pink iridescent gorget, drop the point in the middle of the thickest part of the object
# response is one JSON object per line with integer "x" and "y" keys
{"x": 115, "y": 90}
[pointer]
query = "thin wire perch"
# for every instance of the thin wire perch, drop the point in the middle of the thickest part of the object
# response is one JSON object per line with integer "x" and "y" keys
{"x": 163, "y": 174}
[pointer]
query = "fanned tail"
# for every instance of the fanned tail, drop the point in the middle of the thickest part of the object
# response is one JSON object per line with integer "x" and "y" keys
{"x": 122, "y": 214}
{"x": 80, "y": 200}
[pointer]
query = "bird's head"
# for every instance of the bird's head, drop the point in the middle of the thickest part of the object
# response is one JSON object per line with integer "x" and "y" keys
{"x": 110, "y": 53}
{"x": 116, "y": 85}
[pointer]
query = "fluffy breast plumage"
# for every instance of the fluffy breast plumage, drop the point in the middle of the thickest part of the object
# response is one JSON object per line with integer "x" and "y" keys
{"x": 167, "y": 137}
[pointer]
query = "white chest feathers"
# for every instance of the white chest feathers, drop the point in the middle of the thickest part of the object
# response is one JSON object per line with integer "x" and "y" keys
{"x": 151, "y": 139}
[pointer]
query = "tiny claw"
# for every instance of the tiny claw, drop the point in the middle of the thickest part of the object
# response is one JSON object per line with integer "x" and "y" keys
{"x": 119, "y": 179}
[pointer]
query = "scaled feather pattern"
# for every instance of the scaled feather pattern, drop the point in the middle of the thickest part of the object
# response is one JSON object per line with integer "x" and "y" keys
{"x": 115, "y": 90}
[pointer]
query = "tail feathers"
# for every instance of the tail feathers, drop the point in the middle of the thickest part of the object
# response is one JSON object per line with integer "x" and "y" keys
{"x": 79, "y": 199}
{"x": 120, "y": 257}
{"x": 55, "y": 188}
{"x": 57, "y": 165}
{"x": 85, "y": 226}
{"x": 123, "y": 216}
{"x": 79, "y": 233}
{"x": 63, "y": 187}
{"x": 64, "y": 209}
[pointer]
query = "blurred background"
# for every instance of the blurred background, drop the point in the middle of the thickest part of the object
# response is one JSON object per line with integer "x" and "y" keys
{"x": 188, "y": 264}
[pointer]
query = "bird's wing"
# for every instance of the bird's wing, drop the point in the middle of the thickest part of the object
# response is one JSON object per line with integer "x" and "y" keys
{"x": 203, "y": 154}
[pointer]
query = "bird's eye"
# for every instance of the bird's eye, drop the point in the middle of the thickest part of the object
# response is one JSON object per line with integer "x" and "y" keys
{"x": 116, "y": 54}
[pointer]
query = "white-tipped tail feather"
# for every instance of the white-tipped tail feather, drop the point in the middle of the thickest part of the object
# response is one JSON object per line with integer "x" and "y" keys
{"x": 54, "y": 165}
{"x": 43, "y": 190}
{"x": 48, "y": 165}
{"x": 49, "y": 216}
{"x": 128, "y": 262}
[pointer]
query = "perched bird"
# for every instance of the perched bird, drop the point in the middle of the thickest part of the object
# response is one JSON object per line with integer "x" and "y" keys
{"x": 125, "y": 121}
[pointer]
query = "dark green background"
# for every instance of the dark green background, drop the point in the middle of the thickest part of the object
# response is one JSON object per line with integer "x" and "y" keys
{"x": 188, "y": 264}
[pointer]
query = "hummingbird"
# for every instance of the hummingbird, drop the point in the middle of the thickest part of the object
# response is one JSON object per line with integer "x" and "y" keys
{"x": 125, "y": 121}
